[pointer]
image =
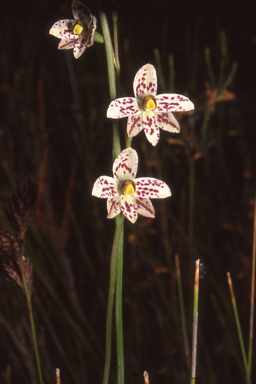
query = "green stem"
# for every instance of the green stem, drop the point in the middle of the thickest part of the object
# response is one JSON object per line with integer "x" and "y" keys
{"x": 32, "y": 326}
{"x": 209, "y": 67}
{"x": 195, "y": 324}
{"x": 119, "y": 265}
{"x": 119, "y": 317}
{"x": 194, "y": 349}
{"x": 111, "y": 294}
{"x": 171, "y": 73}
{"x": 117, "y": 250}
{"x": 111, "y": 76}
{"x": 203, "y": 142}
{"x": 182, "y": 310}
{"x": 118, "y": 80}
{"x": 233, "y": 300}
{"x": 128, "y": 140}
{"x": 159, "y": 69}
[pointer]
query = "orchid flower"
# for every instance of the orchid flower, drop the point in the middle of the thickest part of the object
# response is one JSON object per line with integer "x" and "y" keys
{"x": 127, "y": 194}
{"x": 77, "y": 34}
{"x": 148, "y": 111}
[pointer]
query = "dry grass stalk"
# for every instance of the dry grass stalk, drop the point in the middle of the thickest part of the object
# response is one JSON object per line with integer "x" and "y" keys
{"x": 146, "y": 380}
{"x": 57, "y": 376}
{"x": 252, "y": 295}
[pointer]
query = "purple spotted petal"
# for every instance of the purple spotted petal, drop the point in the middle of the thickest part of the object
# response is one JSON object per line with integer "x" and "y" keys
{"x": 123, "y": 107}
{"x": 145, "y": 82}
{"x": 113, "y": 207}
{"x": 91, "y": 31}
{"x": 125, "y": 165}
{"x": 79, "y": 47}
{"x": 66, "y": 44}
{"x": 150, "y": 188}
{"x": 81, "y": 12}
{"x": 129, "y": 208}
{"x": 144, "y": 207}
{"x": 167, "y": 122}
{"x": 104, "y": 187}
{"x": 150, "y": 127}
{"x": 63, "y": 29}
{"x": 173, "y": 103}
{"x": 134, "y": 125}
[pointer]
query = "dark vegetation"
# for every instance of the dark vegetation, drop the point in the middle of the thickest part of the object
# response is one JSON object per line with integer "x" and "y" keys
{"x": 53, "y": 129}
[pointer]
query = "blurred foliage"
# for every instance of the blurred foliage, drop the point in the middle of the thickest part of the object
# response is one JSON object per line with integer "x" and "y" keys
{"x": 53, "y": 128}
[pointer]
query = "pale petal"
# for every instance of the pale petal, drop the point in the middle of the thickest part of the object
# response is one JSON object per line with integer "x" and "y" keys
{"x": 113, "y": 207}
{"x": 91, "y": 31}
{"x": 125, "y": 165}
{"x": 63, "y": 29}
{"x": 167, "y": 122}
{"x": 104, "y": 187}
{"x": 79, "y": 47}
{"x": 128, "y": 208}
{"x": 66, "y": 44}
{"x": 150, "y": 127}
{"x": 144, "y": 207}
{"x": 81, "y": 12}
{"x": 151, "y": 188}
{"x": 173, "y": 103}
{"x": 87, "y": 39}
{"x": 123, "y": 107}
{"x": 134, "y": 125}
{"x": 145, "y": 82}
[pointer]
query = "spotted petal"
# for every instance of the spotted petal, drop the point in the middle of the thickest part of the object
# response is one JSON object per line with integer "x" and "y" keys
{"x": 151, "y": 188}
{"x": 145, "y": 82}
{"x": 173, "y": 103}
{"x": 105, "y": 187}
{"x": 63, "y": 29}
{"x": 113, "y": 207}
{"x": 125, "y": 165}
{"x": 79, "y": 48}
{"x": 91, "y": 31}
{"x": 129, "y": 208}
{"x": 150, "y": 127}
{"x": 81, "y": 12}
{"x": 167, "y": 122}
{"x": 123, "y": 107}
{"x": 66, "y": 44}
{"x": 144, "y": 207}
{"x": 134, "y": 125}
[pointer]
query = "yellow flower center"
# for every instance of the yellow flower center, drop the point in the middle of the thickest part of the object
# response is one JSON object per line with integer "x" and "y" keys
{"x": 77, "y": 27}
{"x": 128, "y": 187}
{"x": 149, "y": 103}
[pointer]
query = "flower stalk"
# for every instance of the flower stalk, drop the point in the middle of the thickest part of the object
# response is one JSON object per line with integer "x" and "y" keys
{"x": 111, "y": 76}
{"x": 116, "y": 249}
{"x": 119, "y": 308}
{"x": 116, "y": 269}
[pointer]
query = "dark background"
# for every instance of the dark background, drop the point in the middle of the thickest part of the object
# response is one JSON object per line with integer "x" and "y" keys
{"x": 53, "y": 128}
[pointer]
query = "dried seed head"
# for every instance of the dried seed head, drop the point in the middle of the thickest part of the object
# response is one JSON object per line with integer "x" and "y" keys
{"x": 23, "y": 204}
{"x": 11, "y": 251}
